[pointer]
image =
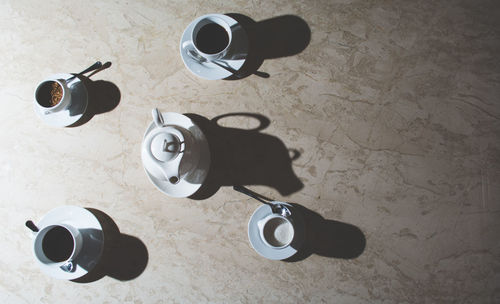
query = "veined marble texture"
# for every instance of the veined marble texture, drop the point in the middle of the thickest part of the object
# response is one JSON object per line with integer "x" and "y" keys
{"x": 393, "y": 107}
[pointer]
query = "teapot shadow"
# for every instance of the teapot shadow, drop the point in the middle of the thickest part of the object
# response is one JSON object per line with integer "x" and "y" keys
{"x": 124, "y": 257}
{"x": 276, "y": 37}
{"x": 245, "y": 157}
{"x": 328, "y": 238}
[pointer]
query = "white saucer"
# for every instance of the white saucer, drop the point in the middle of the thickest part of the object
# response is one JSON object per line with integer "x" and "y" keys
{"x": 270, "y": 252}
{"x": 186, "y": 186}
{"x": 235, "y": 57}
{"x": 79, "y": 102}
{"x": 93, "y": 240}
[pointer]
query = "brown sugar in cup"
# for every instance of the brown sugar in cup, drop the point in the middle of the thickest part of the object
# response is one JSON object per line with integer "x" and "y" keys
{"x": 56, "y": 94}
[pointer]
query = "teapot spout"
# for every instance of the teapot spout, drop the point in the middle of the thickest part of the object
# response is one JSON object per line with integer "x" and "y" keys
{"x": 174, "y": 179}
{"x": 172, "y": 171}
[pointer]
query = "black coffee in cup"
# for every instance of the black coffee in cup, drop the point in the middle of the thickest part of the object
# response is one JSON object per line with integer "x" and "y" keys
{"x": 211, "y": 38}
{"x": 58, "y": 244}
{"x": 49, "y": 94}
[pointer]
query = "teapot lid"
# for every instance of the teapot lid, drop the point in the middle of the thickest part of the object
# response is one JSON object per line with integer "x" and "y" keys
{"x": 165, "y": 146}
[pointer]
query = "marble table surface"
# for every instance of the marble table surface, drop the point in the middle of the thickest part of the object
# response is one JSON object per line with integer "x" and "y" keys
{"x": 380, "y": 120}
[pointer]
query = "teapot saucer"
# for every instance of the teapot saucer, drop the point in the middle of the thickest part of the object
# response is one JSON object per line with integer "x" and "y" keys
{"x": 78, "y": 106}
{"x": 93, "y": 239}
{"x": 265, "y": 250}
{"x": 186, "y": 186}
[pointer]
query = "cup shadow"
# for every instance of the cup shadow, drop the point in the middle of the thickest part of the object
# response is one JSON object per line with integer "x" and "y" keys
{"x": 103, "y": 96}
{"x": 277, "y": 37}
{"x": 246, "y": 157}
{"x": 124, "y": 257}
{"x": 328, "y": 238}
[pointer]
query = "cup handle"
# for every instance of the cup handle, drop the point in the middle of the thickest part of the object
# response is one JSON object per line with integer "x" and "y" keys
{"x": 260, "y": 224}
{"x": 69, "y": 266}
{"x": 186, "y": 44}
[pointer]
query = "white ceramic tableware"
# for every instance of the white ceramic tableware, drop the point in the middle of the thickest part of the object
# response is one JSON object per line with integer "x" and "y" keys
{"x": 233, "y": 57}
{"x": 57, "y": 246}
{"x": 175, "y": 154}
{"x": 276, "y": 231}
{"x": 43, "y": 95}
{"x": 87, "y": 235}
{"x": 170, "y": 148}
{"x": 72, "y": 106}
{"x": 276, "y": 247}
{"x": 216, "y": 26}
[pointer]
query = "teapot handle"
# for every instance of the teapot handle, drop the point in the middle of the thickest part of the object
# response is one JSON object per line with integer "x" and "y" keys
{"x": 158, "y": 118}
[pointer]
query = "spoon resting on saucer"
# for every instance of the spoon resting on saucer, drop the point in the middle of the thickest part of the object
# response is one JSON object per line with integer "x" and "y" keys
{"x": 276, "y": 208}
{"x": 193, "y": 54}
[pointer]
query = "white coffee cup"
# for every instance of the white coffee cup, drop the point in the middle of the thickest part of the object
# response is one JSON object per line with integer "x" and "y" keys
{"x": 57, "y": 246}
{"x": 211, "y": 37}
{"x": 276, "y": 231}
{"x": 43, "y": 96}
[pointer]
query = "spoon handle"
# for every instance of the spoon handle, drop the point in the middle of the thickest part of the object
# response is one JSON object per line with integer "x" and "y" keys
{"x": 261, "y": 74}
{"x": 103, "y": 67}
{"x": 95, "y": 66}
{"x": 247, "y": 192}
{"x": 31, "y": 226}
{"x": 227, "y": 68}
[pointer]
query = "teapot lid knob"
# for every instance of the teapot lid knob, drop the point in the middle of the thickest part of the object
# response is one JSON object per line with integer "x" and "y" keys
{"x": 165, "y": 146}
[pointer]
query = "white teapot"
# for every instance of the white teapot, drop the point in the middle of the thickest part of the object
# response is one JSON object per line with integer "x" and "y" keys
{"x": 169, "y": 151}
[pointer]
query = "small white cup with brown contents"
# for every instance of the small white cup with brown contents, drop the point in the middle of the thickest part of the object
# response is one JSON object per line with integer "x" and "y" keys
{"x": 276, "y": 231}
{"x": 53, "y": 95}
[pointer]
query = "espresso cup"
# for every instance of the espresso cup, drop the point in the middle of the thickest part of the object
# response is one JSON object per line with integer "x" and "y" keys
{"x": 211, "y": 37}
{"x": 48, "y": 100}
{"x": 276, "y": 231}
{"x": 57, "y": 245}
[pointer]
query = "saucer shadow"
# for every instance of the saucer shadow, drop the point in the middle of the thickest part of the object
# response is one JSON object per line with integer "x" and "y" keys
{"x": 103, "y": 96}
{"x": 124, "y": 257}
{"x": 245, "y": 157}
{"x": 328, "y": 238}
{"x": 277, "y": 37}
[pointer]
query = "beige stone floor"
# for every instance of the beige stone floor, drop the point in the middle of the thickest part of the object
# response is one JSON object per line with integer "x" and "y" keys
{"x": 393, "y": 108}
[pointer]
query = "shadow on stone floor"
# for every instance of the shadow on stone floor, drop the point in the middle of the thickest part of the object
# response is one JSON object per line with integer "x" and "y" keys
{"x": 246, "y": 157}
{"x": 103, "y": 96}
{"x": 276, "y": 37}
{"x": 124, "y": 257}
{"x": 328, "y": 238}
